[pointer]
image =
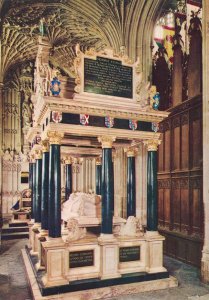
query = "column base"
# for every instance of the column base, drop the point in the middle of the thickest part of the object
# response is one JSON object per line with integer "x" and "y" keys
{"x": 57, "y": 262}
{"x": 42, "y": 237}
{"x": 205, "y": 265}
{"x": 35, "y": 230}
{"x": 109, "y": 256}
{"x": 154, "y": 252}
{"x": 30, "y": 225}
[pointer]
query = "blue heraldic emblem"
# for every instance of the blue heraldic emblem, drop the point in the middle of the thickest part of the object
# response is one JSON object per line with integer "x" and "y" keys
{"x": 156, "y": 101}
{"x": 109, "y": 122}
{"x": 55, "y": 87}
{"x": 133, "y": 124}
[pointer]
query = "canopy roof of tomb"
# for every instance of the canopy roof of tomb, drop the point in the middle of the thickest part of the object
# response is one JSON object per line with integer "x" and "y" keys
{"x": 96, "y": 106}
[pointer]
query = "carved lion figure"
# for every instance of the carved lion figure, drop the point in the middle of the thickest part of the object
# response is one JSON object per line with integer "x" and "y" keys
{"x": 130, "y": 228}
{"x": 75, "y": 232}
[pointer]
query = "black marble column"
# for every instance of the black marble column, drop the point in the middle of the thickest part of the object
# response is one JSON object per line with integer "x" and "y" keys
{"x": 69, "y": 179}
{"x": 33, "y": 194}
{"x": 98, "y": 176}
{"x": 37, "y": 214}
{"x": 107, "y": 186}
{"x": 152, "y": 205}
{"x": 31, "y": 184}
{"x": 131, "y": 184}
{"x": 45, "y": 186}
{"x": 54, "y": 204}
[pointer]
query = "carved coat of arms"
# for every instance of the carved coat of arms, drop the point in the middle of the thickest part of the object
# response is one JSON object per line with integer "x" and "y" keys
{"x": 109, "y": 122}
{"x": 84, "y": 119}
{"x": 56, "y": 116}
{"x": 133, "y": 124}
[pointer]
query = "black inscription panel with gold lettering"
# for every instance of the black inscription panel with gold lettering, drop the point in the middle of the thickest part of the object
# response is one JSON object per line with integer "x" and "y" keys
{"x": 129, "y": 254}
{"x": 81, "y": 258}
{"x": 108, "y": 77}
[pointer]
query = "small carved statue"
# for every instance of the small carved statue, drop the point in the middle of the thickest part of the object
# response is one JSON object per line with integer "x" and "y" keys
{"x": 154, "y": 98}
{"x": 26, "y": 113}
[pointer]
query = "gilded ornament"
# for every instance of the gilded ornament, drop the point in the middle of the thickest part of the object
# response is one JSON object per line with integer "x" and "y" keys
{"x": 38, "y": 154}
{"x": 106, "y": 141}
{"x": 32, "y": 158}
{"x": 68, "y": 161}
{"x": 131, "y": 151}
{"x": 55, "y": 137}
{"x": 152, "y": 145}
{"x": 98, "y": 161}
{"x": 45, "y": 146}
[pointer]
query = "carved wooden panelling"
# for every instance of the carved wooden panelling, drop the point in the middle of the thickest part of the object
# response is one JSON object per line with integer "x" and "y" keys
{"x": 185, "y": 215}
{"x": 160, "y": 207}
{"x": 160, "y": 157}
{"x": 175, "y": 148}
{"x": 167, "y": 157}
{"x": 195, "y": 145}
{"x": 180, "y": 183}
{"x": 167, "y": 207}
{"x": 185, "y": 146}
{"x": 176, "y": 209}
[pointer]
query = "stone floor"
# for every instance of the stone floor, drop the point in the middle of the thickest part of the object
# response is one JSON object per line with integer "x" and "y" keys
{"x": 13, "y": 283}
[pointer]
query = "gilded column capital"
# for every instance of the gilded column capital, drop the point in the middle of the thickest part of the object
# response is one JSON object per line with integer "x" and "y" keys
{"x": 38, "y": 154}
{"x": 55, "y": 137}
{"x": 68, "y": 160}
{"x": 45, "y": 146}
{"x": 131, "y": 152}
{"x": 98, "y": 161}
{"x": 152, "y": 145}
{"x": 32, "y": 158}
{"x": 106, "y": 141}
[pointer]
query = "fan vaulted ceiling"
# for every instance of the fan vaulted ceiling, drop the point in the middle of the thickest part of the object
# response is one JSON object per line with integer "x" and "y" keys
{"x": 91, "y": 23}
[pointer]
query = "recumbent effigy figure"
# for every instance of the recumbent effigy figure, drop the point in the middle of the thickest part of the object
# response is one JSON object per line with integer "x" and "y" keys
{"x": 78, "y": 212}
{"x": 81, "y": 204}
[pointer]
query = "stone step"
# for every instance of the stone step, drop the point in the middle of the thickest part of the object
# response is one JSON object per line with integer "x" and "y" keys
{"x": 14, "y": 236}
{"x": 15, "y": 229}
{"x": 18, "y": 224}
